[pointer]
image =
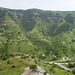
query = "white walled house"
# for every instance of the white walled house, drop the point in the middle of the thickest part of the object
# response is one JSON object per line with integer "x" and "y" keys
{"x": 65, "y": 58}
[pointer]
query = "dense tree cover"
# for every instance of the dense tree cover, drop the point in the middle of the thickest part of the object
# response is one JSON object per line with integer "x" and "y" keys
{"x": 69, "y": 18}
{"x": 62, "y": 28}
{"x": 27, "y": 20}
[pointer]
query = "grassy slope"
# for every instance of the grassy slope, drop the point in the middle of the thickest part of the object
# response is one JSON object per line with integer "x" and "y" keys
{"x": 17, "y": 40}
{"x": 6, "y": 68}
{"x": 30, "y": 31}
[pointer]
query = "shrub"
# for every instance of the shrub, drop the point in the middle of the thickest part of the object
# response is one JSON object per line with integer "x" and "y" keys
{"x": 12, "y": 55}
{"x": 33, "y": 56}
{"x": 0, "y": 69}
{"x": 24, "y": 57}
{"x": 67, "y": 61}
{"x": 51, "y": 69}
{"x": 8, "y": 62}
{"x": 33, "y": 66}
{"x": 69, "y": 65}
{"x": 4, "y": 58}
{"x": 13, "y": 66}
{"x": 53, "y": 59}
{"x": 73, "y": 64}
{"x": 45, "y": 73}
{"x": 36, "y": 61}
{"x": 73, "y": 71}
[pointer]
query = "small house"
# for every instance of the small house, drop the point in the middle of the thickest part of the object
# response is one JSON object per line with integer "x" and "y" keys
{"x": 65, "y": 58}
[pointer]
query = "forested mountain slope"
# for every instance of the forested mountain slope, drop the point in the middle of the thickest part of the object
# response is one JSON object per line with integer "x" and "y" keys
{"x": 37, "y": 32}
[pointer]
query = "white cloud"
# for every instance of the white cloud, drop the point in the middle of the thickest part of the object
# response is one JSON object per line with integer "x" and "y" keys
{"x": 41, "y": 4}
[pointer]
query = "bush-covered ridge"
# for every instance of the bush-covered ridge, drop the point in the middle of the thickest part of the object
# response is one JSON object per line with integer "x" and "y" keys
{"x": 37, "y": 32}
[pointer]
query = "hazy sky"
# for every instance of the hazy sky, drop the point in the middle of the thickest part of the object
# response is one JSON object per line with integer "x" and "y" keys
{"x": 64, "y": 5}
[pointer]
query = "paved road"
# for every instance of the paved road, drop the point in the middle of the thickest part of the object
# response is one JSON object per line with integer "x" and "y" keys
{"x": 62, "y": 66}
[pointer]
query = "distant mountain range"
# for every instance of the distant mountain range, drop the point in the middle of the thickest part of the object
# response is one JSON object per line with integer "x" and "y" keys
{"x": 37, "y": 32}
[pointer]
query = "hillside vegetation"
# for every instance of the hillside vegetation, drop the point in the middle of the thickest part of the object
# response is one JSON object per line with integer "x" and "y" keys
{"x": 18, "y": 64}
{"x": 37, "y": 32}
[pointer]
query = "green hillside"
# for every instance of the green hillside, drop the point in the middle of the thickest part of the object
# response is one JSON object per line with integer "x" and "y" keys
{"x": 37, "y": 32}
